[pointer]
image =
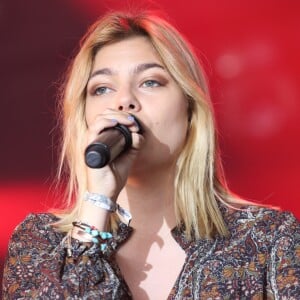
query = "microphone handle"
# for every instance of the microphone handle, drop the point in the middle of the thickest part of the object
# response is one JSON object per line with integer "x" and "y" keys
{"x": 110, "y": 143}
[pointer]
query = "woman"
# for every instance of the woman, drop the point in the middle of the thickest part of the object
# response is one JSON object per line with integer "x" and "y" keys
{"x": 189, "y": 238}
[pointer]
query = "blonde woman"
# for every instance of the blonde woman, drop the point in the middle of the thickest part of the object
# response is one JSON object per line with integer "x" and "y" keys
{"x": 189, "y": 238}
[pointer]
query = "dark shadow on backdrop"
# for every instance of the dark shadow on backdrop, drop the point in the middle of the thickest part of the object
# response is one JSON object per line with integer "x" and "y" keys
{"x": 37, "y": 40}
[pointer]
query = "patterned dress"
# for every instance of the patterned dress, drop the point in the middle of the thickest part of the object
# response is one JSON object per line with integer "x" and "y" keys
{"x": 260, "y": 259}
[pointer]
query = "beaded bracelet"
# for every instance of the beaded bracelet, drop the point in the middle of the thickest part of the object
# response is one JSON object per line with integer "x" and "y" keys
{"x": 89, "y": 234}
{"x": 91, "y": 231}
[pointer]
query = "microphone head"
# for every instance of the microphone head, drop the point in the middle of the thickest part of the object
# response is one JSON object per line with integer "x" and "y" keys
{"x": 97, "y": 155}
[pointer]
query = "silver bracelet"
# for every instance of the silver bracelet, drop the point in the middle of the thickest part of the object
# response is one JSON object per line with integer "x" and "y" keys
{"x": 107, "y": 204}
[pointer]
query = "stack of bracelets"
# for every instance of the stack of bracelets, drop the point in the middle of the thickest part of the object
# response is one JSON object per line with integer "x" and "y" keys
{"x": 90, "y": 234}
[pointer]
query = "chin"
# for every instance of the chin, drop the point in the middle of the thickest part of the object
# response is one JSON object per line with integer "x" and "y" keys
{"x": 149, "y": 165}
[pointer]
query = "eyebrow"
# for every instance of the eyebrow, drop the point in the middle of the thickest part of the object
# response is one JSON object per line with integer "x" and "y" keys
{"x": 138, "y": 69}
{"x": 142, "y": 67}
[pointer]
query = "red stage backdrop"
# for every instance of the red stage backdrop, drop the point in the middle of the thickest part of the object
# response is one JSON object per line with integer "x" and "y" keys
{"x": 250, "y": 50}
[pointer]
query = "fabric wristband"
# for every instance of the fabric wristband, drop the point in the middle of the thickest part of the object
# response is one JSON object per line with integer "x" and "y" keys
{"x": 106, "y": 203}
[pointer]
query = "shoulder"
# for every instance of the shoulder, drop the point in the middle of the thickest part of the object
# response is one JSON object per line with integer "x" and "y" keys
{"x": 268, "y": 223}
{"x": 272, "y": 217}
{"x": 35, "y": 228}
{"x": 36, "y": 221}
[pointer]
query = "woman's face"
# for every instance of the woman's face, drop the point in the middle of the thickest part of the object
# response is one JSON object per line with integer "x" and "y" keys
{"x": 129, "y": 76}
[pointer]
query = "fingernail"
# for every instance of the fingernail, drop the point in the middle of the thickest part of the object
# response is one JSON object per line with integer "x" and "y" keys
{"x": 131, "y": 118}
{"x": 115, "y": 121}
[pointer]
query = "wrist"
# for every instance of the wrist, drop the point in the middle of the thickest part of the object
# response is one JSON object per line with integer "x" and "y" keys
{"x": 105, "y": 203}
{"x": 102, "y": 191}
{"x": 101, "y": 201}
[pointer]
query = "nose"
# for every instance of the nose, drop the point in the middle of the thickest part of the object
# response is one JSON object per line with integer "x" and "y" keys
{"x": 127, "y": 101}
{"x": 129, "y": 107}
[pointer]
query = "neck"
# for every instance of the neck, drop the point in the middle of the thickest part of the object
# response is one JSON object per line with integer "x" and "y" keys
{"x": 150, "y": 199}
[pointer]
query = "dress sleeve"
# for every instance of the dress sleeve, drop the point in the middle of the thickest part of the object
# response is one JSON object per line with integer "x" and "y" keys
{"x": 37, "y": 266}
{"x": 284, "y": 267}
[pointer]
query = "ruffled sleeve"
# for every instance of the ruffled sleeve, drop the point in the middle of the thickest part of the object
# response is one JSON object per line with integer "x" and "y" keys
{"x": 37, "y": 266}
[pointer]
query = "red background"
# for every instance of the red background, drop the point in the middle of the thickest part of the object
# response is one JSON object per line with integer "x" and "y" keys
{"x": 250, "y": 50}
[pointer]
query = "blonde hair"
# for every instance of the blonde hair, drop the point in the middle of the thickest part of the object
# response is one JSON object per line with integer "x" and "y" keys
{"x": 199, "y": 181}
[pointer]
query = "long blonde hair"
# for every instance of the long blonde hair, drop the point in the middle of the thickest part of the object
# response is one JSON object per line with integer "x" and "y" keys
{"x": 199, "y": 183}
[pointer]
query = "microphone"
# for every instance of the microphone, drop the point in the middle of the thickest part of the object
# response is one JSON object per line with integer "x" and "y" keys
{"x": 110, "y": 143}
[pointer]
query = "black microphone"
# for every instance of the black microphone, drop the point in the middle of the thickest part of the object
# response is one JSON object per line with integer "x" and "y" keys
{"x": 110, "y": 143}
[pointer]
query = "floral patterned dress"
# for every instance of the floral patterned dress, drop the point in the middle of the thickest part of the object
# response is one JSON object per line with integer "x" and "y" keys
{"x": 260, "y": 259}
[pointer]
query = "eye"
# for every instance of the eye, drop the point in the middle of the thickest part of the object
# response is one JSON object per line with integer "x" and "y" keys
{"x": 101, "y": 90}
{"x": 151, "y": 83}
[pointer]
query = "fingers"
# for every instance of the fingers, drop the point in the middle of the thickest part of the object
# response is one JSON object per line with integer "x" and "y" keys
{"x": 121, "y": 116}
{"x": 110, "y": 179}
{"x": 137, "y": 141}
{"x": 98, "y": 125}
{"x": 110, "y": 118}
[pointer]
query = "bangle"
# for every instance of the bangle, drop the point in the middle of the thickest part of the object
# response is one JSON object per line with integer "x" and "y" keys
{"x": 107, "y": 204}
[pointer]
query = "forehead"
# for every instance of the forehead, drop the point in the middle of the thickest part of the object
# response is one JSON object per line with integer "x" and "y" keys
{"x": 132, "y": 50}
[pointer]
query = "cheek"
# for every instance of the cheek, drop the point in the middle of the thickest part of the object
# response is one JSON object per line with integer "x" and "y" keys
{"x": 179, "y": 127}
{"x": 88, "y": 115}
{"x": 172, "y": 132}
{"x": 178, "y": 135}
{"x": 92, "y": 109}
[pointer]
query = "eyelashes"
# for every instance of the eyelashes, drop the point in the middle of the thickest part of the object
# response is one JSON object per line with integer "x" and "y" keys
{"x": 151, "y": 83}
{"x": 101, "y": 90}
{"x": 105, "y": 88}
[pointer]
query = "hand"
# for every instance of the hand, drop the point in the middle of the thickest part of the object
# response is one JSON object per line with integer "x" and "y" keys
{"x": 110, "y": 179}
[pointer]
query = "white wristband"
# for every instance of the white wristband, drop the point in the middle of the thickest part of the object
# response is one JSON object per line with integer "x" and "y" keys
{"x": 107, "y": 204}
{"x": 101, "y": 201}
